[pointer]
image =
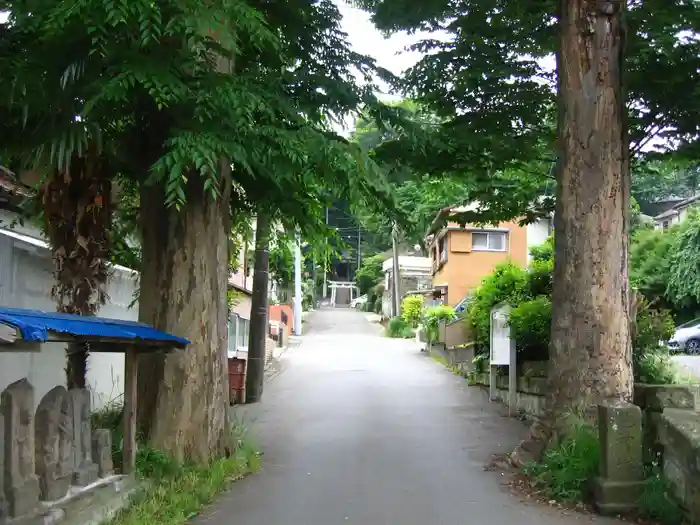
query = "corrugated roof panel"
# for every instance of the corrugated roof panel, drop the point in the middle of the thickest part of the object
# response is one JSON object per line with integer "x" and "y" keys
{"x": 35, "y": 325}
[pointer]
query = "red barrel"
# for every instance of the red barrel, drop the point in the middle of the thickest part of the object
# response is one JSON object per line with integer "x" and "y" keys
{"x": 236, "y": 380}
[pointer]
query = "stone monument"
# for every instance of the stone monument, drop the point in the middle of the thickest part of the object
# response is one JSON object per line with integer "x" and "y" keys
{"x": 21, "y": 483}
{"x": 621, "y": 479}
{"x": 84, "y": 469}
{"x": 102, "y": 452}
{"x": 54, "y": 444}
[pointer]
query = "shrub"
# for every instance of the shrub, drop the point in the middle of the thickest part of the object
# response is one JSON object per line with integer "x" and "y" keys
{"x": 657, "y": 502}
{"x": 505, "y": 283}
{"x": 378, "y": 306}
{"x": 436, "y": 315}
{"x": 655, "y": 367}
{"x": 650, "y": 262}
{"x": 531, "y": 323}
{"x": 652, "y": 326}
{"x": 651, "y": 361}
{"x": 683, "y": 280}
{"x": 540, "y": 278}
{"x": 412, "y": 310}
{"x": 481, "y": 362}
{"x": 370, "y": 273}
{"x": 543, "y": 252}
{"x": 110, "y": 417}
{"x": 567, "y": 467}
{"x": 398, "y": 329}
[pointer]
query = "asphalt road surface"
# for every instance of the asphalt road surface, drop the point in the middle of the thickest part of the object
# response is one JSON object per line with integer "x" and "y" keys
{"x": 364, "y": 430}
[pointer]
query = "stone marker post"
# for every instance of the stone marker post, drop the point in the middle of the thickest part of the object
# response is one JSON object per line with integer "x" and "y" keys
{"x": 84, "y": 469}
{"x": 21, "y": 483}
{"x": 621, "y": 479}
{"x": 102, "y": 452}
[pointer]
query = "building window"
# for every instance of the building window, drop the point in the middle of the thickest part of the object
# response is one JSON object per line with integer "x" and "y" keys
{"x": 665, "y": 225}
{"x": 489, "y": 241}
{"x": 442, "y": 250}
{"x": 238, "y": 332}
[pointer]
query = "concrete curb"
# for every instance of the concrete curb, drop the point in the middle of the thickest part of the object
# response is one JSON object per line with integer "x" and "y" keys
{"x": 276, "y": 366}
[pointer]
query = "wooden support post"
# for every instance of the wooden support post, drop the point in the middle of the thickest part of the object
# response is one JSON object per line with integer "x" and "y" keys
{"x": 130, "y": 385}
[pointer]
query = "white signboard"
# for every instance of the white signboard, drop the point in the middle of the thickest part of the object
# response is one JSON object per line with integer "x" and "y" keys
{"x": 500, "y": 336}
{"x": 503, "y": 353}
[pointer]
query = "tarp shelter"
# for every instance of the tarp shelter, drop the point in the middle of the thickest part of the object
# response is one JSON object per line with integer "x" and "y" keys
{"x": 24, "y": 330}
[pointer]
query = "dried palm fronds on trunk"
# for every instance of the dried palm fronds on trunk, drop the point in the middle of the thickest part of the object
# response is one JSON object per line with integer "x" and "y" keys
{"x": 76, "y": 205}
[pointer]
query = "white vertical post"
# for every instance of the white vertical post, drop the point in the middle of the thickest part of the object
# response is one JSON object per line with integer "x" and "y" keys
{"x": 396, "y": 273}
{"x": 359, "y": 249}
{"x": 492, "y": 360}
{"x": 492, "y": 383}
{"x": 297, "y": 286}
{"x": 325, "y": 281}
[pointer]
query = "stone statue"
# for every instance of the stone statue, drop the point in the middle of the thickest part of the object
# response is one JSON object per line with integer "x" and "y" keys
{"x": 86, "y": 428}
{"x": 21, "y": 483}
{"x": 53, "y": 443}
{"x": 65, "y": 431}
{"x": 84, "y": 470}
{"x": 102, "y": 451}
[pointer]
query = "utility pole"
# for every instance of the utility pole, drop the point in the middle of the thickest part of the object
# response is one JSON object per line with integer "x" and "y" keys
{"x": 325, "y": 269}
{"x": 359, "y": 250}
{"x": 396, "y": 273}
{"x": 297, "y": 286}
{"x": 313, "y": 277}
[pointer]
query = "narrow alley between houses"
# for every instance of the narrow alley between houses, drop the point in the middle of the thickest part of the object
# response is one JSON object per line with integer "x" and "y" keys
{"x": 361, "y": 429}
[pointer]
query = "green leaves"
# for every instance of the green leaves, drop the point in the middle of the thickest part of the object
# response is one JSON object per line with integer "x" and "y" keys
{"x": 173, "y": 91}
{"x": 370, "y": 273}
{"x": 684, "y": 278}
{"x": 485, "y": 79}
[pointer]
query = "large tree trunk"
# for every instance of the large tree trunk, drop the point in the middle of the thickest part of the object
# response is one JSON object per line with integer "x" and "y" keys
{"x": 591, "y": 353}
{"x": 183, "y": 397}
{"x": 76, "y": 205}
{"x": 258, "y": 310}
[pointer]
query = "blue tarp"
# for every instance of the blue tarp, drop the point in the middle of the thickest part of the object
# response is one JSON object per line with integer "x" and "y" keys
{"x": 35, "y": 325}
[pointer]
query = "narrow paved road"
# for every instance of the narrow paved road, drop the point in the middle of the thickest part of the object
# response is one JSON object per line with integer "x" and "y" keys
{"x": 363, "y": 430}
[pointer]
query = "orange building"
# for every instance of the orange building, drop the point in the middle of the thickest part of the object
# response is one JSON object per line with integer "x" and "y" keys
{"x": 463, "y": 255}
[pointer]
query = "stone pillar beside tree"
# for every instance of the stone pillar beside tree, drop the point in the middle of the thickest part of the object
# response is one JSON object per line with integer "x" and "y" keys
{"x": 620, "y": 483}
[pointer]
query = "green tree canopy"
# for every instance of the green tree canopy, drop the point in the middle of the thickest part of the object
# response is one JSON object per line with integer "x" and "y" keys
{"x": 494, "y": 96}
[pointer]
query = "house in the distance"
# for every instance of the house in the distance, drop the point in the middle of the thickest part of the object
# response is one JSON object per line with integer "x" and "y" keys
{"x": 463, "y": 255}
{"x": 675, "y": 213}
{"x": 415, "y": 276}
{"x": 240, "y": 285}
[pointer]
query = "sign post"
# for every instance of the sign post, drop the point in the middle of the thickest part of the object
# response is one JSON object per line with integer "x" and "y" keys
{"x": 503, "y": 353}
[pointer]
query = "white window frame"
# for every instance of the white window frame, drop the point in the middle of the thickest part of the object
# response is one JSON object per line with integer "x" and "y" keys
{"x": 488, "y": 237}
{"x": 442, "y": 250}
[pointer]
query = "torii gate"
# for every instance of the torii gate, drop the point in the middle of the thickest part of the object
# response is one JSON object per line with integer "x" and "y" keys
{"x": 340, "y": 284}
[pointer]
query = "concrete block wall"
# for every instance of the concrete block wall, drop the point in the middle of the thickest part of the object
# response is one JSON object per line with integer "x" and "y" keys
{"x": 532, "y": 384}
{"x": 270, "y": 345}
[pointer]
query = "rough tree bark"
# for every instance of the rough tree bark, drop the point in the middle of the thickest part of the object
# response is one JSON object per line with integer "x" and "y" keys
{"x": 183, "y": 397}
{"x": 591, "y": 353}
{"x": 258, "y": 310}
{"x": 77, "y": 210}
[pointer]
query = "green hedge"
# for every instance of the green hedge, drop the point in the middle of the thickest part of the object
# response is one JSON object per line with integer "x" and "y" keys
{"x": 528, "y": 292}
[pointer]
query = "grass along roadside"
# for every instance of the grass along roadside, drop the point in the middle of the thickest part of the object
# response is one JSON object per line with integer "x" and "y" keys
{"x": 173, "y": 494}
